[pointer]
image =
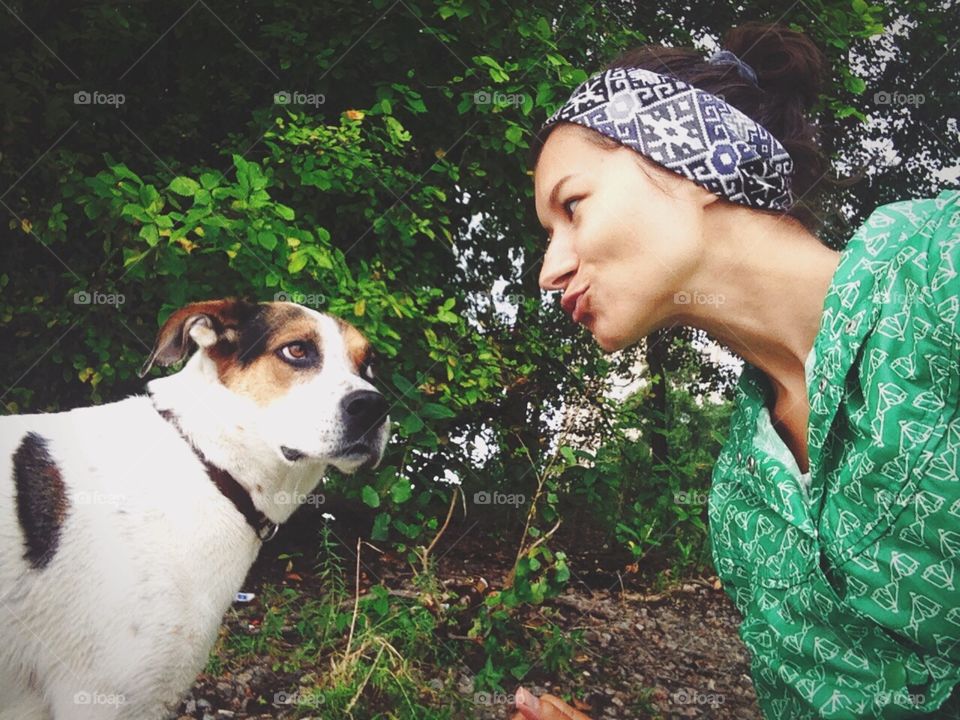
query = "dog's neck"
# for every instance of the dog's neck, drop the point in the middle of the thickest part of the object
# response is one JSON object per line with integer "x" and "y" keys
{"x": 222, "y": 426}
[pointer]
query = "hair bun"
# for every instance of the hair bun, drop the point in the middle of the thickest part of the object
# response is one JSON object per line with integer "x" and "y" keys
{"x": 787, "y": 63}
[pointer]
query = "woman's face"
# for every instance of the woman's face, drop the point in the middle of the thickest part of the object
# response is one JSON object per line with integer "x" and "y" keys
{"x": 628, "y": 239}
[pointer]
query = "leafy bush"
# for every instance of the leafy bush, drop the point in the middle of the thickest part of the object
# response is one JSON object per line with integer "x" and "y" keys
{"x": 401, "y": 202}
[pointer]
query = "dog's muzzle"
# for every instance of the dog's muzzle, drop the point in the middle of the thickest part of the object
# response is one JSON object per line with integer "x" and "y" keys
{"x": 364, "y": 412}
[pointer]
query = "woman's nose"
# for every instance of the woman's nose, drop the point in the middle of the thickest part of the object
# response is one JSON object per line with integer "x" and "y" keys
{"x": 559, "y": 265}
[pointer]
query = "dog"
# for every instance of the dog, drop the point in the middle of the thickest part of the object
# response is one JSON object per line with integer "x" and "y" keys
{"x": 127, "y": 529}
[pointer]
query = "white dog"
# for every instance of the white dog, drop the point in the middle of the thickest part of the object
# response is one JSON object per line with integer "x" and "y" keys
{"x": 126, "y": 529}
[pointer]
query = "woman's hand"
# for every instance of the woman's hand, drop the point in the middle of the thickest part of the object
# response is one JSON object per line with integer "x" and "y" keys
{"x": 530, "y": 707}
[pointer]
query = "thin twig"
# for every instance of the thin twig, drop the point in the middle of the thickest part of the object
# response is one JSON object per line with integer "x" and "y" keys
{"x": 541, "y": 480}
{"x": 356, "y": 602}
{"x": 373, "y": 667}
{"x": 426, "y": 553}
{"x": 545, "y": 536}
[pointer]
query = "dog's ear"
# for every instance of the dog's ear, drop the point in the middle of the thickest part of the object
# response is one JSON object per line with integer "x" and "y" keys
{"x": 199, "y": 324}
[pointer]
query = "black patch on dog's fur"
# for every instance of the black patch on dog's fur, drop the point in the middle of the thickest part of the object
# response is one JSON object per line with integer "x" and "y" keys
{"x": 42, "y": 502}
{"x": 254, "y": 337}
{"x": 257, "y": 332}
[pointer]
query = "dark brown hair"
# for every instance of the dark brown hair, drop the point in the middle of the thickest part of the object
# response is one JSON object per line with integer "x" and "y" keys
{"x": 790, "y": 69}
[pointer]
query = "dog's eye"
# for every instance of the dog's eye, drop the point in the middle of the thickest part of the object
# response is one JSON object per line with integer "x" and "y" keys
{"x": 366, "y": 369}
{"x": 297, "y": 353}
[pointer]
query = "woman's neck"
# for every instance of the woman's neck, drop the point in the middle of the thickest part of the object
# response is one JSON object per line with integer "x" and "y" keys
{"x": 768, "y": 276}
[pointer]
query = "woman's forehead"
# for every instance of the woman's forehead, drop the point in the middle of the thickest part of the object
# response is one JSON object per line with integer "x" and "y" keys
{"x": 565, "y": 151}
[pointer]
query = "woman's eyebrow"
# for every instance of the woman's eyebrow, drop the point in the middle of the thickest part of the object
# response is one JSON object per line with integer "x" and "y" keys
{"x": 555, "y": 193}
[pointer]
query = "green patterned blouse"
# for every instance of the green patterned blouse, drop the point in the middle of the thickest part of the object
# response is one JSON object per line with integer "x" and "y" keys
{"x": 849, "y": 580}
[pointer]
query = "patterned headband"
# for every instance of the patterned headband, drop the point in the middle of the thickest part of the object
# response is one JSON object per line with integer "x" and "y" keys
{"x": 686, "y": 130}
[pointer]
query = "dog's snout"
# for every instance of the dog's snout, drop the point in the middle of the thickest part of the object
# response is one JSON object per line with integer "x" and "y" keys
{"x": 363, "y": 410}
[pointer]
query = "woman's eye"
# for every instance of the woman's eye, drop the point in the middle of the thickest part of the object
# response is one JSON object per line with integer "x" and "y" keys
{"x": 295, "y": 351}
{"x": 570, "y": 206}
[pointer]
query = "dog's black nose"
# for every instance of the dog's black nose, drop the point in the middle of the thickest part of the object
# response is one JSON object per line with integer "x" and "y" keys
{"x": 363, "y": 410}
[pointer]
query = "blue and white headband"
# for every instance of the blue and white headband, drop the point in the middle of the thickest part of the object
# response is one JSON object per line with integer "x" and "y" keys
{"x": 686, "y": 130}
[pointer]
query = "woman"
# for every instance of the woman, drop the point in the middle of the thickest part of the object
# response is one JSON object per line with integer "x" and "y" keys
{"x": 675, "y": 190}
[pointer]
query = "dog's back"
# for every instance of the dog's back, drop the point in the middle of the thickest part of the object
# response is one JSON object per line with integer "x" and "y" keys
{"x": 89, "y": 496}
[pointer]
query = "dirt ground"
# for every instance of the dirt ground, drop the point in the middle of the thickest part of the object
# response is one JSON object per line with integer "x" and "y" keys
{"x": 645, "y": 653}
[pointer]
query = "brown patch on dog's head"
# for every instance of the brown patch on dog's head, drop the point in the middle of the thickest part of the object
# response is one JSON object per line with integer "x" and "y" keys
{"x": 359, "y": 351}
{"x": 247, "y": 341}
{"x": 257, "y": 366}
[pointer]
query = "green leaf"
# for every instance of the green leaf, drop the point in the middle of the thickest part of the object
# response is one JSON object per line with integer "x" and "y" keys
{"x": 267, "y": 239}
{"x": 519, "y": 671}
{"x": 150, "y": 198}
{"x": 435, "y": 411}
{"x": 184, "y": 186}
{"x": 406, "y": 388}
{"x": 526, "y": 105}
{"x": 370, "y": 496}
{"x": 380, "y": 605}
{"x": 122, "y": 171}
{"x": 210, "y": 180}
{"x": 284, "y": 212}
{"x": 136, "y": 212}
{"x": 416, "y": 105}
{"x": 855, "y": 85}
{"x": 297, "y": 262}
{"x": 150, "y": 234}
{"x": 411, "y": 424}
{"x": 380, "y": 525}
{"x": 401, "y": 491}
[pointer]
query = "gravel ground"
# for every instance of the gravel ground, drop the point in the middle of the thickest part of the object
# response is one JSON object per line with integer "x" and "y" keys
{"x": 644, "y": 654}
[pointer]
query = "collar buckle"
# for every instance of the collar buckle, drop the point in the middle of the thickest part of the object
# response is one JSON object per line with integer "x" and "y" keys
{"x": 272, "y": 527}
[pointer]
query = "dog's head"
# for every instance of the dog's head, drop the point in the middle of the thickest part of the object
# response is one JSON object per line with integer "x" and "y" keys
{"x": 308, "y": 376}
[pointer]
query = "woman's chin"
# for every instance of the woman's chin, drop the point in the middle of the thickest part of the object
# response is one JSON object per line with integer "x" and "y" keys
{"x": 610, "y": 345}
{"x": 608, "y": 342}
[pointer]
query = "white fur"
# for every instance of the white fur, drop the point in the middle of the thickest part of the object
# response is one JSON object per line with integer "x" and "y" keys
{"x": 151, "y": 553}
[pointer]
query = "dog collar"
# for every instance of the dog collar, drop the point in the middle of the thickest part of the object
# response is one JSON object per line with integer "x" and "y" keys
{"x": 263, "y": 526}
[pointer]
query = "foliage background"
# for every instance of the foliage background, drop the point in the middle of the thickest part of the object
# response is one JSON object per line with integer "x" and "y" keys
{"x": 402, "y": 202}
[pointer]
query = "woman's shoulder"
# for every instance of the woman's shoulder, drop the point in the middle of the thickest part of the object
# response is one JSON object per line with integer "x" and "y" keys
{"x": 907, "y": 223}
{"x": 912, "y": 248}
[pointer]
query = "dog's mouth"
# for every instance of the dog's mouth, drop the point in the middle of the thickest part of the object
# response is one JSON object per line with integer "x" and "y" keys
{"x": 290, "y": 454}
{"x": 357, "y": 448}
{"x": 351, "y": 451}
{"x": 357, "y": 456}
